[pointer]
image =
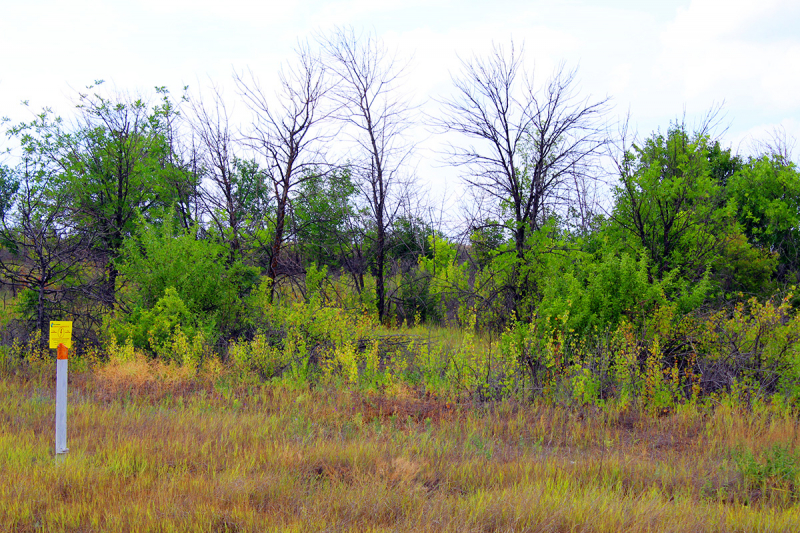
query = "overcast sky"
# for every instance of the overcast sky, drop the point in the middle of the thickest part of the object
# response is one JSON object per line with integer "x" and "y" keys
{"x": 656, "y": 59}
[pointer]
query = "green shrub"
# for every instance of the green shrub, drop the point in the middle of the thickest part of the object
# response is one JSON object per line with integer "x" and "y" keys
{"x": 177, "y": 280}
{"x": 775, "y": 474}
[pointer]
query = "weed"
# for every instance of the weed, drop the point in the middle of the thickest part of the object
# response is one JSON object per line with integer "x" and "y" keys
{"x": 774, "y": 475}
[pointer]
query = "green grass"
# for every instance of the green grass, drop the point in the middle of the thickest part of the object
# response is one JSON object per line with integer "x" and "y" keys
{"x": 170, "y": 451}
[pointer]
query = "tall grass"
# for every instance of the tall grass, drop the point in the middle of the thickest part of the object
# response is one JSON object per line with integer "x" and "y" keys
{"x": 156, "y": 448}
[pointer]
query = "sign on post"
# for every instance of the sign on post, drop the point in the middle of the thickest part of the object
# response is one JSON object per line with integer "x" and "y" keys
{"x": 61, "y": 339}
{"x": 60, "y": 333}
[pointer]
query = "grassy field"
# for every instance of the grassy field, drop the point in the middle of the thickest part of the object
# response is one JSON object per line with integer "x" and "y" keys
{"x": 155, "y": 448}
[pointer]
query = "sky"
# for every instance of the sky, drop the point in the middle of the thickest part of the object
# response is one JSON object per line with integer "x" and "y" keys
{"x": 657, "y": 60}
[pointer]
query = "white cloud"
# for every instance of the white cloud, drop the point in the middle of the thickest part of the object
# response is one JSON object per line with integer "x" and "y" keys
{"x": 717, "y": 50}
{"x": 620, "y": 77}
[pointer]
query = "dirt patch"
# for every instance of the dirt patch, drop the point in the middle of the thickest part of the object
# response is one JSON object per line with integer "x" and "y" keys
{"x": 417, "y": 410}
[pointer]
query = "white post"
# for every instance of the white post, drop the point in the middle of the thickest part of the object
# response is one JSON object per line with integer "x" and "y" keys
{"x": 61, "y": 400}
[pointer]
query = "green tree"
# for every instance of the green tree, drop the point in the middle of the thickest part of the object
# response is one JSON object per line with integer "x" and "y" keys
{"x": 766, "y": 196}
{"x": 411, "y": 242}
{"x": 323, "y": 210}
{"x": 595, "y": 293}
{"x": 486, "y": 239}
{"x": 119, "y": 162}
{"x": 668, "y": 203}
{"x": 409, "y": 239}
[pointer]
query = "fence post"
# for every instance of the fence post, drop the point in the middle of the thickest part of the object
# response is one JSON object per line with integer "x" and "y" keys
{"x": 62, "y": 357}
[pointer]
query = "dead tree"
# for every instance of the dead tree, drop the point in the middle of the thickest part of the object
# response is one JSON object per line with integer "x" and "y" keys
{"x": 286, "y": 134}
{"x": 39, "y": 248}
{"x": 234, "y": 194}
{"x": 527, "y": 152}
{"x": 376, "y": 120}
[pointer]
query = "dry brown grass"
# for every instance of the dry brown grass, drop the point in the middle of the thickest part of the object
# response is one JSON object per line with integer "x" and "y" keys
{"x": 141, "y": 377}
{"x": 154, "y": 449}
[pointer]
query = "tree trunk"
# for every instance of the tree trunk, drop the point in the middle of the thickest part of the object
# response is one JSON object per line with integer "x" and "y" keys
{"x": 280, "y": 222}
{"x": 380, "y": 289}
{"x": 40, "y": 323}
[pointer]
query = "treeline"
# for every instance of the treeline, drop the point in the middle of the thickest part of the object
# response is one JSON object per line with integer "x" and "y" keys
{"x": 138, "y": 219}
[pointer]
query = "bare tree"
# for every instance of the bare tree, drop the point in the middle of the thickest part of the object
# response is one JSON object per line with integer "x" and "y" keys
{"x": 287, "y": 133}
{"x": 39, "y": 248}
{"x": 529, "y": 153}
{"x": 233, "y": 192}
{"x": 779, "y": 143}
{"x": 376, "y": 120}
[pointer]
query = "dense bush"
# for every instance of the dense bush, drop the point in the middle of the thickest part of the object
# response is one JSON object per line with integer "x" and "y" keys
{"x": 179, "y": 281}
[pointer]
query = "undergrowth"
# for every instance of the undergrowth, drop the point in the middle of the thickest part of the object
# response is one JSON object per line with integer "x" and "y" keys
{"x": 326, "y": 420}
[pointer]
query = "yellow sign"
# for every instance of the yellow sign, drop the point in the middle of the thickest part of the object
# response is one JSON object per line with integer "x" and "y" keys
{"x": 60, "y": 333}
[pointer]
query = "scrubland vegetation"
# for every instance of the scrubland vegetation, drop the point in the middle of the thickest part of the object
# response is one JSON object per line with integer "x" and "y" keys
{"x": 156, "y": 447}
{"x": 269, "y": 335}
